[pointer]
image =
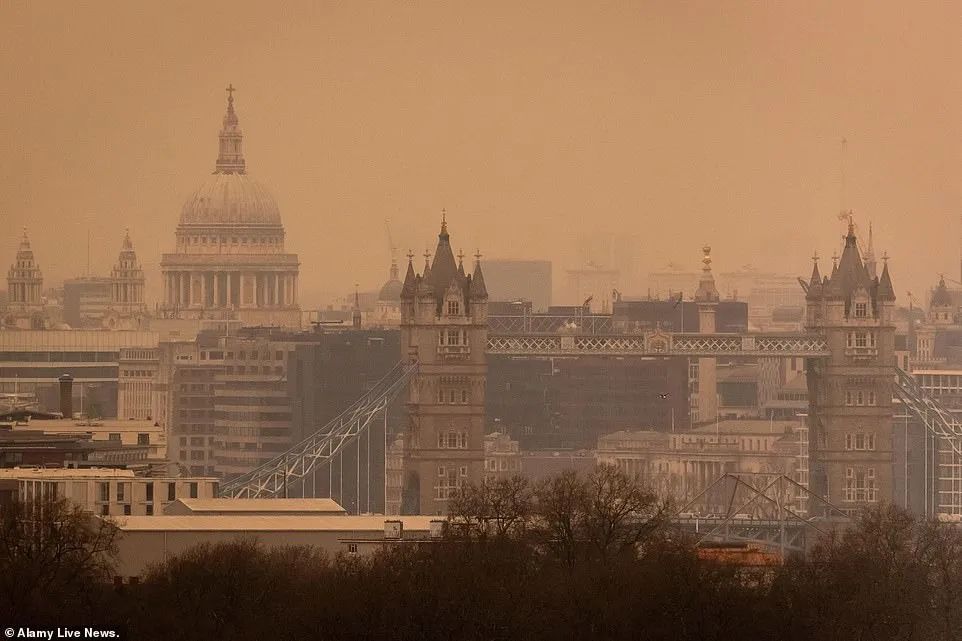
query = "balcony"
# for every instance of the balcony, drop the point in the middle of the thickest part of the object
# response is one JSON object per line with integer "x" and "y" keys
{"x": 861, "y": 353}
{"x": 454, "y": 352}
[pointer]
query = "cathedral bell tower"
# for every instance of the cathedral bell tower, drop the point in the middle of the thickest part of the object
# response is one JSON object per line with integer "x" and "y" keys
{"x": 25, "y": 289}
{"x": 444, "y": 328}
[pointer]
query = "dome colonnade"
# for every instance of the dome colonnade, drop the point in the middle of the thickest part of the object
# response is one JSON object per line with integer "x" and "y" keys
{"x": 229, "y": 255}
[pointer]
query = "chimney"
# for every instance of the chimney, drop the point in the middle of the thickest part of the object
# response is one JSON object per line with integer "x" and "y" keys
{"x": 66, "y": 395}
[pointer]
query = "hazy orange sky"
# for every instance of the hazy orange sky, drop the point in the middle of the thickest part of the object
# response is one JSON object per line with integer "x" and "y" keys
{"x": 681, "y": 122}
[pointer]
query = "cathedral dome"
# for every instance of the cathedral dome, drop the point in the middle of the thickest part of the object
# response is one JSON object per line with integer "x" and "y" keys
{"x": 391, "y": 292}
{"x": 231, "y": 199}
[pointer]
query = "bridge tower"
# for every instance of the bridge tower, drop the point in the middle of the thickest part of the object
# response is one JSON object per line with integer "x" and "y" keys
{"x": 850, "y": 393}
{"x": 444, "y": 328}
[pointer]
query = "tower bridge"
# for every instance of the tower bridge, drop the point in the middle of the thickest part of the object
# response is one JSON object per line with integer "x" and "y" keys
{"x": 446, "y": 336}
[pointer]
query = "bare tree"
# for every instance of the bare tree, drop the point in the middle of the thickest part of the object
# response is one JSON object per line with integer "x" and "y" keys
{"x": 599, "y": 516}
{"x": 493, "y": 508}
{"x": 53, "y": 557}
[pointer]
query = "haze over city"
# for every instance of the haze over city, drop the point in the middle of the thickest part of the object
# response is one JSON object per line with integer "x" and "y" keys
{"x": 682, "y": 123}
{"x": 512, "y": 320}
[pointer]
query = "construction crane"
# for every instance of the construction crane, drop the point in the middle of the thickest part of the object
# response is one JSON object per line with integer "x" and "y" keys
{"x": 390, "y": 241}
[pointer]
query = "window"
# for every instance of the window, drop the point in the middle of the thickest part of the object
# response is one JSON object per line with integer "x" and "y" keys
{"x": 449, "y": 482}
{"x": 127, "y": 509}
{"x": 860, "y": 485}
{"x": 150, "y": 491}
{"x": 352, "y": 548}
{"x": 121, "y": 491}
{"x": 861, "y": 310}
{"x": 440, "y": 395}
{"x": 464, "y": 396}
{"x": 453, "y": 440}
{"x": 849, "y": 398}
{"x": 871, "y": 398}
{"x": 105, "y": 510}
{"x": 860, "y": 441}
{"x": 150, "y": 509}
{"x": 105, "y": 492}
{"x": 193, "y": 490}
{"x": 454, "y": 307}
{"x": 171, "y": 491}
{"x": 143, "y": 439}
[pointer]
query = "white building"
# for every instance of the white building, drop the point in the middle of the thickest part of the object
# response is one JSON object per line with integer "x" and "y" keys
{"x": 105, "y": 491}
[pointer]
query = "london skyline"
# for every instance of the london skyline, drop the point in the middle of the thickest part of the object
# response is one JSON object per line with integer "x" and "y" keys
{"x": 683, "y": 124}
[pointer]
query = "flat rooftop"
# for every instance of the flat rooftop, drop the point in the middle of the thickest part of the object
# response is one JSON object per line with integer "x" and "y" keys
{"x": 263, "y": 505}
{"x": 260, "y": 523}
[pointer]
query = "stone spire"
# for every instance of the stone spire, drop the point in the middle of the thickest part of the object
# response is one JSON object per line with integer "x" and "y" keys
{"x": 478, "y": 289}
{"x": 870, "y": 262}
{"x": 707, "y": 292}
{"x": 815, "y": 283}
{"x": 410, "y": 279}
{"x": 230, "y": 159}
{"x": 356, "y": 311}
{"x": 885, "y": 290}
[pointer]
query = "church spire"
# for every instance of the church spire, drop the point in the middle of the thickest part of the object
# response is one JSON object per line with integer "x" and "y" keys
{"x": 870, "y": 263}
{"x": 230, "y": 158}
{"x": 707, "y": 292}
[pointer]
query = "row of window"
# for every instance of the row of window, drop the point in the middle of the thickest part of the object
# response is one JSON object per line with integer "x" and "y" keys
{"x": 234, "y": 240}
{"x": 506, "y": 464}
{"x": 136, "y": 373}
{"x": 859, "y": 397}
{"x": 453, "y": 337}
{"x": 453, "y": 440}
{"x": 452, "y": 396}
{"x": 123, "y": 495}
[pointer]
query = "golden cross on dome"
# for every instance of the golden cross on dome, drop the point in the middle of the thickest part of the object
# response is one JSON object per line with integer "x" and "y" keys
{"x": 815, "y": 257}
{"x": 230, "y": 90}
{"x": 460, "y": 255}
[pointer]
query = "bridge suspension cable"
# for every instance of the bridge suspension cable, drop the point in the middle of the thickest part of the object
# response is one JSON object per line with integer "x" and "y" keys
{"x": 934, "y": 416}
{"x": 272, "y": 479}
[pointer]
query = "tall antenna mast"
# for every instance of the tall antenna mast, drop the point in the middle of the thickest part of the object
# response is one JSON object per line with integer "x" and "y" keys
{"x": 841, "y": 191}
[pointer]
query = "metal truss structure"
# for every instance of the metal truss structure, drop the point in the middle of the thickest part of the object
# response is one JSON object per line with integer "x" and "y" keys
{"x": 272, "y": 479}
{"x": 767, "y": 509}
{"x": 944, "y": 426}
{"x": 659, "y": 343}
